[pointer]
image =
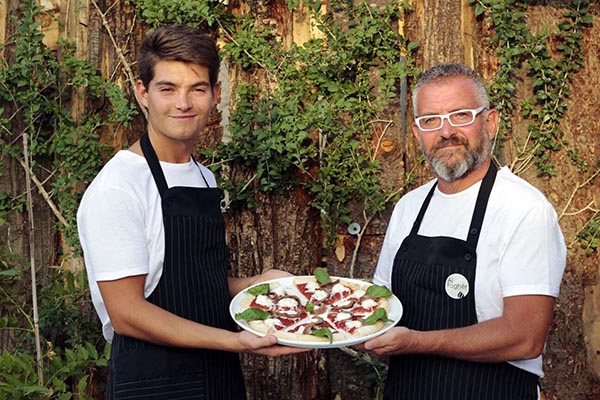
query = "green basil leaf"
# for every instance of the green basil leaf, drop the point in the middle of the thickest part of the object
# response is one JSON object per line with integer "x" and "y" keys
{"x": 379, "y": 314}
{"x": 259, "y": 289}
{"x": 252, "y": 314}
{"x": 322, "y": 275}
{"x": 378, "y": 291}
{"x": 323, "y": 332}
{"x": 310, "y": 306}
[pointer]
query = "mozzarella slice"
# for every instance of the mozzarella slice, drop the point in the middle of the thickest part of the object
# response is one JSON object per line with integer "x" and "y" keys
{"x": 319, "y": 295}
{"x": 342, "y": 316}
{"x": 368, "y": 303}
{"x": 264, "y": 301}
{"x": 311, "y": 287}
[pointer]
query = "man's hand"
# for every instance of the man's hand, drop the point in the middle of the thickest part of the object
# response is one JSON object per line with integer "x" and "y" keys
{"x": 399, "y": 340}
{"x": 266, "y": 345}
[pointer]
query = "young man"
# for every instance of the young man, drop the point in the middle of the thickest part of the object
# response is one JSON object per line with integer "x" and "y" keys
{"x": 154, "y": 240}
{"x": 475, "y": 256}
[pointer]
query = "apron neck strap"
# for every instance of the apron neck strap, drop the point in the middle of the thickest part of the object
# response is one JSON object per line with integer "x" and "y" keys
{"x": 200, "y": 169}
{"x": 153, "y": 163}
{"x": 481, "y": 205}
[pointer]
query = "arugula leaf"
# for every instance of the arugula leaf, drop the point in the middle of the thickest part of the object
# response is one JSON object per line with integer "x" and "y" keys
{"x": 323, "y": 332}
{"x": 379, "y": 314}
{"x": 252, "y": 314}
{"x": 322, "y": 275}
{"x": 378, "y": 291}
{"x": 310, "y": 306}
{"x": 259, "y": 289}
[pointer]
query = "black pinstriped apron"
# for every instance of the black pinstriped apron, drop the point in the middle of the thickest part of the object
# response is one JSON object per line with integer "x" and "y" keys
{"x": 193, "y": 285}
{"x": 427, "y": 271}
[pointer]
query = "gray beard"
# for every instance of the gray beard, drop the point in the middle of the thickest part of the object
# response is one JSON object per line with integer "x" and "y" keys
{"x": 451, "y": 173}
{"x": 472, "y": 160}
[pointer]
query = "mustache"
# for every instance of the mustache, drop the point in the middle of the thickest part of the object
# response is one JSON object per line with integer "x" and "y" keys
{"x": 451, "y": 141}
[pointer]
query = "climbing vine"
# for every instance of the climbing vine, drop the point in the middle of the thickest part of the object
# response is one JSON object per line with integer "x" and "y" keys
{"x": 521, "y": 51}
{"x": 314, "y": 125}
{"x": 37, "y": 86}
{"x": 523, "y": 54}
{"x": 60, "y": 153}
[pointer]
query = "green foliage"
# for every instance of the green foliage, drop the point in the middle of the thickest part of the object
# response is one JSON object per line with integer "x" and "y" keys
{"x": 551, "y": 74}
{"x": 68, "y": 374}
{"x": 589, "y": 236}
{"x": 159, "y": 12}
{"x": 314, "y": 126}
{"x": 37, "y": 87}
{"x": 67, "y": 322}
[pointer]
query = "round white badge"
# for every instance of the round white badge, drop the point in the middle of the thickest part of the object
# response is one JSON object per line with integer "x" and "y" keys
{"x": 457, "y": 286}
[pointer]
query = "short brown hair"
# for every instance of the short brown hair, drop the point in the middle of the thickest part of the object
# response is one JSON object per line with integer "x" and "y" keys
{"x": 177, "y": 43}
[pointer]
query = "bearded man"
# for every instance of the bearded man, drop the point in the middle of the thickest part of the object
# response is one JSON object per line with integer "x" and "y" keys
{"x": 476, "y": 257}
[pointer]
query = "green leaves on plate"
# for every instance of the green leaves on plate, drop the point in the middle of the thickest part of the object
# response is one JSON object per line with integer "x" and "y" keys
{"x": 259, "y": 289}
{"x": 378, "y": 291}
{"x": 323, "y": 332}
{"x": 252, "y": 314}
{"x": 379, "y": 314}
{"x": 322, "y": 275}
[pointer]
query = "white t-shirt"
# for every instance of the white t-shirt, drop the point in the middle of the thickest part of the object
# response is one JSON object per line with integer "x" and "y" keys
{"x": 120, "y": 222}
{"x": 521, "y": 249}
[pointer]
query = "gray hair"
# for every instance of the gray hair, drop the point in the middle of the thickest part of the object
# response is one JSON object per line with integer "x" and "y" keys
{"x": 447, "y": 71}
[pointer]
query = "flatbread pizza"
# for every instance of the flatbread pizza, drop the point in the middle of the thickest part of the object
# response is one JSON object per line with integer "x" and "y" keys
{"x": 316, "y": 308}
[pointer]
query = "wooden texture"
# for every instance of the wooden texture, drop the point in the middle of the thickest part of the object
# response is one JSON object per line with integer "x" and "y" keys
{"x": 284, "y": 231}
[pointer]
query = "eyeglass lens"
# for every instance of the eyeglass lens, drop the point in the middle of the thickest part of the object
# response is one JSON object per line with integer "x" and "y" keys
{"x": 457, "y": 118}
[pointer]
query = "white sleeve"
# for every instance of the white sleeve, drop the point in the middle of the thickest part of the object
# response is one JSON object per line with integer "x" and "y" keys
{"x": 535, "y": 256}
{"x": 112, "y": 231}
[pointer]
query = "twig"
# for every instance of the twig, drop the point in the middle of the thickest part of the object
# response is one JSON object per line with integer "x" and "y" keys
{"x": 380, "y": 138}
{"x": 36, "y": 325}
{"x": 42, "y": 190}
{"x": 579, "y": 186}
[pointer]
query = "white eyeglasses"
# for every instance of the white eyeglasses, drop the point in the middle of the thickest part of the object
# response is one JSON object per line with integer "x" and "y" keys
{"x": 465, "y": 117}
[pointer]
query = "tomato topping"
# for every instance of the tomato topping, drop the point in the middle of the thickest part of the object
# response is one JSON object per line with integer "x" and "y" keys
{"x": 296, "y": 329}
{"x": 287, "y": 322}
{"x": 254, "y": 304}
{"x": 363, "y": 310}
{"x": 302, "y": 288}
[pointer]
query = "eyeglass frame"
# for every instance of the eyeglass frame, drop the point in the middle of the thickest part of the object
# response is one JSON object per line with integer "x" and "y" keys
{"x": 474, "y": 112}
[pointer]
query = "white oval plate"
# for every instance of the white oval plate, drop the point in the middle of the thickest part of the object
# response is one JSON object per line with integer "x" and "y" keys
{"x": 395, "y": 313}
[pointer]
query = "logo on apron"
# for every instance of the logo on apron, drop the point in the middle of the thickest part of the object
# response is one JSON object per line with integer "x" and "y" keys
{"x": 457, "y": 286}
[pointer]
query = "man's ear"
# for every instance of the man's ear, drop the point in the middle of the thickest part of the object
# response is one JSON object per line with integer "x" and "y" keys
{"x": 492, "y": 119}
{"x": 141, "y": 93}
{"x": 216, "y": 92}
{"x": 415, "y": 130}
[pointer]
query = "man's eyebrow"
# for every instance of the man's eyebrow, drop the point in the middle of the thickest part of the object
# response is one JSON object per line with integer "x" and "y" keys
{"x": 169, "y": 83}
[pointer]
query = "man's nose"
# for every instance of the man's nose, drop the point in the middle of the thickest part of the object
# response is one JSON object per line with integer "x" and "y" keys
{"x": 447, "y": 130}
{"x": 183, "y": 101}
